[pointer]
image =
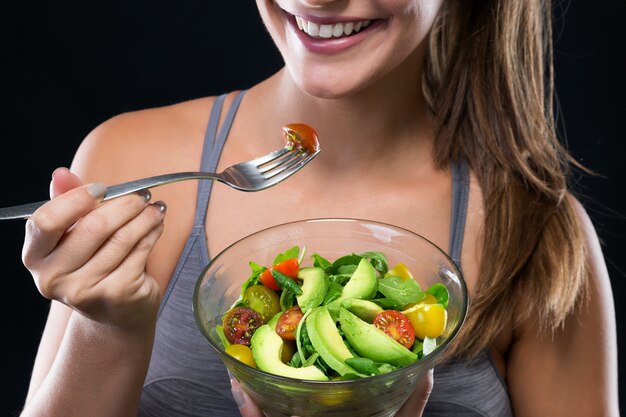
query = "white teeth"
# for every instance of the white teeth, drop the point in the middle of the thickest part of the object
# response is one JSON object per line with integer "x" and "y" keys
{"x": 336, "y": 30}
{"x": 348, "y": 27}
{"x": 326, "y": 31}
{"x": 312, "y": 29}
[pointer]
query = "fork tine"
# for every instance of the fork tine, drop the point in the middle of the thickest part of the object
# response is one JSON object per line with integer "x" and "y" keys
{"x": 280, "y": 161}
{"x": 291, "y": 168}
{"x": 270, "y": 156}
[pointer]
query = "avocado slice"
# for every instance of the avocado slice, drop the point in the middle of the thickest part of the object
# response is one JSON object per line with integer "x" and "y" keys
{"x": 363, "y": 284}
{"x": 327, "y": 341}
{"x": 267, "y": 347}
{"x": 372, "y": 343}
{"x": 314, "y": 288}
{"x": 364, "y": 309}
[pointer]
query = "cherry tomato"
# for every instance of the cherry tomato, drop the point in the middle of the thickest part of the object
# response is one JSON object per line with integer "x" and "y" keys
{"x": 290, "y": 267}
{"x": 288, "y": 323}
{"x": 301, "y": 136}
{"x": 262, "y": 300}
{"x": 397, "y": 326}
{"x": 240, "y": 323}
{"x": 427, "y": 319}
{"x": 242, "y": 353}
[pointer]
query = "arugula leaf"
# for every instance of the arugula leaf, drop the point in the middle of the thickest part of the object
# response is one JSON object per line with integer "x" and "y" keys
{"x": 388, "y": 304}
{"x": 401, "y": 292}
{"x": 288, "y": 254}
{"x": 440, "y": 292}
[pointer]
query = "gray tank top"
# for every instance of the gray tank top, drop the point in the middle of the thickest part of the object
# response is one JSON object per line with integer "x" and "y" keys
{"x": 187, "y": 378}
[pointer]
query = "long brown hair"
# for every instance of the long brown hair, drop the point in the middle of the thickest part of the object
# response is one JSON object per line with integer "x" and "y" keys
{"x": 489, "y": 81}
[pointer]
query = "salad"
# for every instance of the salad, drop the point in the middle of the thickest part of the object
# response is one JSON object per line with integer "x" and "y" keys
{"x": 348, "y": 318}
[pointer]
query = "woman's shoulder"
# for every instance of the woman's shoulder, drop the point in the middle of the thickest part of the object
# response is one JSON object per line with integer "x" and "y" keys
{"x": 144, "y": 142}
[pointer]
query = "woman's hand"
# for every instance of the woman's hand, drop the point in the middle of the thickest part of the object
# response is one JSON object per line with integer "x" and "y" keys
{"x": 414, "y": 406}
{"x": 92, "y": 256}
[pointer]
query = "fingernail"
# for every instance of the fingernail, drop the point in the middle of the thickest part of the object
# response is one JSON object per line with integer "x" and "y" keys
{"x": 160, "y": 205}
{"x": 145, "y": 194}
{"x": 96, "y": 190}
{"x": 238, "y": 397}
{"x": 56, "y": 171}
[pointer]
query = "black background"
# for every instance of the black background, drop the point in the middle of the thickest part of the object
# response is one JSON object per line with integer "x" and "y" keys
{"x": 68, "y": 67}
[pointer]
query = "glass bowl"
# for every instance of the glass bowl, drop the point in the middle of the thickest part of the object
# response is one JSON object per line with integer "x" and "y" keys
{"x": 219, "y": 286}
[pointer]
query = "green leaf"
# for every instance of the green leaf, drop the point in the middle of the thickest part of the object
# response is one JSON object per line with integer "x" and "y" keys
{"x": 378, "y": 261}
{"x": 334, "y": 292}
{"x": 219, "y": 329}
{"x": 346, "y": 270}
{"x": 287, "y": 299}
{"x": 288, "y": 254}
{"x": 388, "y": 304}
{"x": 321, "y": 262}
{"x": 440, "y": 292}
{"x": 363, "y": 366}
{"x": 401, "y": 292}
{"x": 352, "y": 259}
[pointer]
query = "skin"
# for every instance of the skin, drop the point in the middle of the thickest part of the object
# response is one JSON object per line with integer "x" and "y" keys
{"x": 102, "y": 264}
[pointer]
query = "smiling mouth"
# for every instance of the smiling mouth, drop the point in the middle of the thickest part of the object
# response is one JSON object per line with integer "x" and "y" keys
{"x": 334, "y": 30}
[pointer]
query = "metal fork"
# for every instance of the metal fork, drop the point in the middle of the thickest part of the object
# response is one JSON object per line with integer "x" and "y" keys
{"x": 254, "y": 175}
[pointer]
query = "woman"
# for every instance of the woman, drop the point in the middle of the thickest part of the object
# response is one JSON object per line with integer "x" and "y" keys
{"x": 412, "y": 100}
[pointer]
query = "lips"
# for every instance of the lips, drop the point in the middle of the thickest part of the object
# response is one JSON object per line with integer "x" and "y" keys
{"x": 335, "y": 30}
{"x": 330, "y": 36}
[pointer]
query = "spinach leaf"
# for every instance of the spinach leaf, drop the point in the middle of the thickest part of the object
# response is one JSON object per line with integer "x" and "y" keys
{"x": 288, "y": 254}
{"x": 334, "y": 292}
{"x": 346, "y": 270}
{"x": 378, "y": 261}
{"x": 440, "y": 292}
{"x": 352, "y": 259}
{"x": 363, "y": 366}
{"x": 340, "y": 279}
{"x": 321, "y": 262}
{"x": 401, "y": 292}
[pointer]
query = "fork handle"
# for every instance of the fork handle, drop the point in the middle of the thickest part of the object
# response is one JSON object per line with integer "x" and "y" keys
{"x": 26, "y": 210}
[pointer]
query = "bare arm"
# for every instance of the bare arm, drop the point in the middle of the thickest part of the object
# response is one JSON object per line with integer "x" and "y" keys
{"x": 95, "y": 349}
{"x": 574, "y": 372}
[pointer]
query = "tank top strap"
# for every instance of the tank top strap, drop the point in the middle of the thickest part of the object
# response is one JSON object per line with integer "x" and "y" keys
{"x": 212, "y": 150}
{"x": 460, "y": 194}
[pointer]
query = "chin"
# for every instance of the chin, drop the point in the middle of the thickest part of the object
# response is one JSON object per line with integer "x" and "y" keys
{"x": 327, "y": 86}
